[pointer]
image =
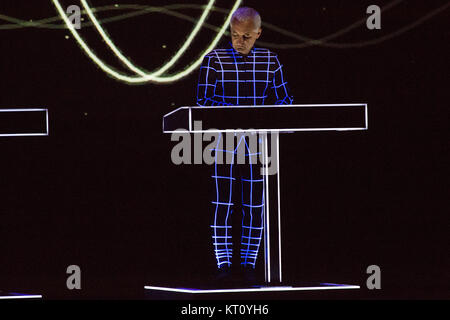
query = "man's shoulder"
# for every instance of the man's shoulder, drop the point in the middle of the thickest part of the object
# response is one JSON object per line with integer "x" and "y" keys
{"x": 264, "y": 51}
{"x": 219, "y": 52}
{"x": 216, "y": 53}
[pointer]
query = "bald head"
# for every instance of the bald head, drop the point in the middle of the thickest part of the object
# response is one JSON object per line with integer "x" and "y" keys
{"x": 245, "y": 27}
{"x": 245, "y": 14}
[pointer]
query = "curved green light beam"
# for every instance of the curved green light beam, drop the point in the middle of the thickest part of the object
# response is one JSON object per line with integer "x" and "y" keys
{"x": 220, "y": 32}
{"x": 142, "y": 9}
{"x": 146, "y": 77}
{"x": 127, "y": 62}
{"x": 139, "y": 10}
{"x": 345, "y": 45}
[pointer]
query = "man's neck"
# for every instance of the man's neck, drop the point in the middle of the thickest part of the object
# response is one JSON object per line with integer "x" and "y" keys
{"x": 240, "y": 53}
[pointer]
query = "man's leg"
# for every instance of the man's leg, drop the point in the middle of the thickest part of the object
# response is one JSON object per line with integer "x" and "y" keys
{"x": 223, "y": 208}
{"x": 252, "y": 185}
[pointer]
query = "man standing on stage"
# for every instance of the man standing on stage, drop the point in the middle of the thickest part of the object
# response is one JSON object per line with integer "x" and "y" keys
{"x": 236, "y": 76}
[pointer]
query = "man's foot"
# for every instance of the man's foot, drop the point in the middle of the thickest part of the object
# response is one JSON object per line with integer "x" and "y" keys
{"x": 223, "y": 275}
{"x": 248, "y": 276}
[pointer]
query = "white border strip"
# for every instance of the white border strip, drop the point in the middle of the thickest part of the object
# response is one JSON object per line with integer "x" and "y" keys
{"x": 267, "y": 213}
{"x": 279, "y": 206}
{"x": 366, "y": 117}
{"x": 27, "y": 134}
{"x": 27, "y": 296}
{"x": 262, "y": 289}
{"x": 272, "y": 106}
{"x": 318, "y": 105}
{"x": 21, "y": 110}
{"x": 281, "y": 130}
{"x": 282, "y": 106}
{"x": 190, "y": 120}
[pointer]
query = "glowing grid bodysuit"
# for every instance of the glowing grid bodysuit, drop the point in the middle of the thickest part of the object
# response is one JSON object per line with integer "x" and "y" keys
{"x": 228, "y": 78}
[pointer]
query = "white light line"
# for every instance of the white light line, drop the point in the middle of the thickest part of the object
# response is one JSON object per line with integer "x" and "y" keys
{"x": 318, "y": 105}
{"x": 262, "y": 289}
{"x": 367, "y": 116}
{"x": 279, "y": 205}
{"x": 266, "y": 130}
{"x": 265, "y": 213}
{"x": 168, "y": 114}
{"x": 21, "y": 297}
{"x": 26, "y": 110}
{"x": 190, "y": 120}
{"x": 277, "y": 129}
{"x": 22, "y": 134}
{"x": 266, "y": 205}
{"x": 21, "y": 110}
{"x": 46, "y": 122}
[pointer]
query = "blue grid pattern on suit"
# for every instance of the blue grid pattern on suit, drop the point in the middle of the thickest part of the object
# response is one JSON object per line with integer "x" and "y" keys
{"x": 228, "y": 78}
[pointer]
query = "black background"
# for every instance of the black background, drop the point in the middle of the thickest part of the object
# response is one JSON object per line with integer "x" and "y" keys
{"x": 101, "y": 191}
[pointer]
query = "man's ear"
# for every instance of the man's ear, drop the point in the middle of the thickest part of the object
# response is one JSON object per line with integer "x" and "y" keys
{"x": 259, "y": 33}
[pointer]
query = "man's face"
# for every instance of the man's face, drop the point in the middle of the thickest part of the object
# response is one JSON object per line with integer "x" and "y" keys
{"x": 244, "y": 35}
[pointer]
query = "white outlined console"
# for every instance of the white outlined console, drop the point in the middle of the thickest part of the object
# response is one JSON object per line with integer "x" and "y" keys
{"x": 23, "y": 122}
{"x": 269, "y": 122}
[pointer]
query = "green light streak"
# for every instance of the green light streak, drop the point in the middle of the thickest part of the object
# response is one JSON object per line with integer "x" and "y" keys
{"x": 144, "y": 77}
{"x": 127, "y": 62}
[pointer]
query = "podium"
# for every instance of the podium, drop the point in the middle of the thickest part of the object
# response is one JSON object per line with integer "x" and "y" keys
{"x": 269, "y": 122}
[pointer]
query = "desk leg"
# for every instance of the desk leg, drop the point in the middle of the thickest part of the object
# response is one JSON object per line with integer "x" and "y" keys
{"x": 272, "y": 213}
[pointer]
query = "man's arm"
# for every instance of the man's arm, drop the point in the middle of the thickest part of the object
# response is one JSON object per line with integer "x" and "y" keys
{"x": 280, "y": 86}
{"x": 206, "y": 87}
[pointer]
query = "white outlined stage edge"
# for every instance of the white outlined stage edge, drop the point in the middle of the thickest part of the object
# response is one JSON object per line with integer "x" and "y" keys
{"x": 28, "y": 134}
{"x": 258, "y": 289}
{"x": 269, "y": 122}
{"x": 14, "y": 296}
